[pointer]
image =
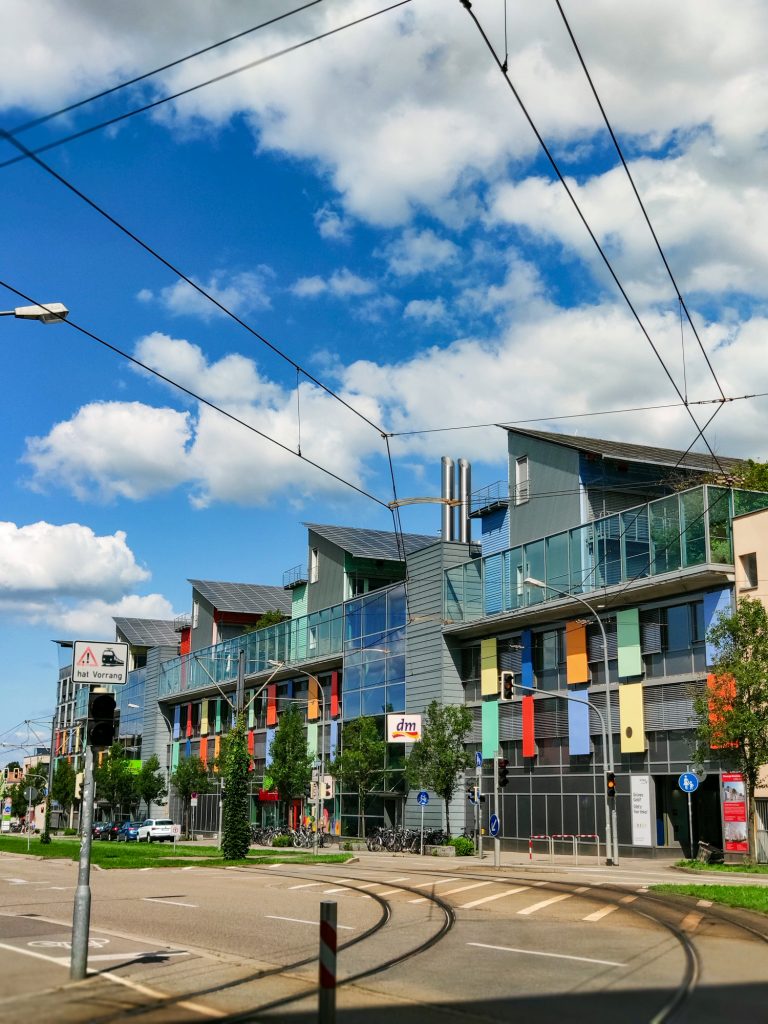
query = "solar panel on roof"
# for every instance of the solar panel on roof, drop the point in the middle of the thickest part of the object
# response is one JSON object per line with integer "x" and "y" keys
{"x": 378, "y": 544}
{"x": 243, "y": 598}
{"x": 147, "y": 632}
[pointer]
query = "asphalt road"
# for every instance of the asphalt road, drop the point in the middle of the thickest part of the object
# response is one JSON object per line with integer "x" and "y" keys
{"x": 196, "y": 943}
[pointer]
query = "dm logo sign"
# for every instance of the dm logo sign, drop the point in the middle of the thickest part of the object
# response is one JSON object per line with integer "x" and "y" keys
{"x": 403, "y": 728}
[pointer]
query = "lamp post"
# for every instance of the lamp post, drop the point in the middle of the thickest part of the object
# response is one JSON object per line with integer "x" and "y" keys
{"x": 608, "y": 759}
{"x": 51, "y": 313}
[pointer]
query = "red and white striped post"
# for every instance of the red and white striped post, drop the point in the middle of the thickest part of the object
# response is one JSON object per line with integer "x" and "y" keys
{"x": 327, "y": 1001}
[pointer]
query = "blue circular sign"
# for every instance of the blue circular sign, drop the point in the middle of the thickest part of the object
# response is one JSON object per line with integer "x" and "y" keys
{"x": 493, "y": 825}
{"x": 422, "y": 798}
{"x": 688, "y": 782}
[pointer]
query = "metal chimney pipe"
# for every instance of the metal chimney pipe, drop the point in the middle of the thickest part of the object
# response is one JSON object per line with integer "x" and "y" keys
{"x": 447, "y": 492}
{"x": 465, "y": 488}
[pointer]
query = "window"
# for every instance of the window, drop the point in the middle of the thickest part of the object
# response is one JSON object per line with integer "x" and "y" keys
{"x": 521, "y": 480}
{"x": 195, "y": 614}
{"x": 749, "y": 569}
{"x": 314, "y": 565}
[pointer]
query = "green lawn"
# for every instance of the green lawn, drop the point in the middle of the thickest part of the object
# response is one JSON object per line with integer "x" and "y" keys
{"x": 133, "y": 855}
{"x": 749, "y": 897}
{"x": 736, "y": 869}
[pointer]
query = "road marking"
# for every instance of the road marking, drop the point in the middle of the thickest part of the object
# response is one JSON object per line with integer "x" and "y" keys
{"x": 463, "y": 888}
{"x": 16, "y": 881}
{"x": 627, "y": 899}
{"x": 403, "y": 878}
{"x": 704, "y": 903}
{"x": 388, "y": 892}
{"x": 305, "y": 885}
{"x": 497, "y": 896}
{"x": 582, "y": 888}
{"x": 341, "y": 888}
{"x": 601, "y": 913}
{"x": 556, "y": 956}
{"x": 204, "y": 1011}
{"x": 171, "y": 903}
{"x": 440, "y": 881}
{"x": 154, "y": 953}
{"x": 691, "y": 921}
{"x": 300, "y": 920}
{"x": 368, "y": 885}
{"x": 545, "y": 903}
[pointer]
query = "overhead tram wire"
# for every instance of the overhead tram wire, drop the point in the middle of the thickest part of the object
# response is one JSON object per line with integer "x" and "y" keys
{"x": 44, "y": 118}
{"x": 615, "y": 141}
{"x": 609, "y": 266}
{"x": 198, "y": 398}
{"x": 184, "y": 277}
{"x": 118, "y": 118}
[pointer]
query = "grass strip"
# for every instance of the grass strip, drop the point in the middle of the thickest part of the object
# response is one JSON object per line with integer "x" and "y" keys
{"x": 748, "y": 897}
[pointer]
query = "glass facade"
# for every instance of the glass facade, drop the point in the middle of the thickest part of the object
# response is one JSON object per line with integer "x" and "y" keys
{"x": 374, "y": 653}
{"x": 666, "y": 535}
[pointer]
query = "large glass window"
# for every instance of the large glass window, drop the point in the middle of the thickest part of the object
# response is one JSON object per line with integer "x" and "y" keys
{"x": 374, "y": 656}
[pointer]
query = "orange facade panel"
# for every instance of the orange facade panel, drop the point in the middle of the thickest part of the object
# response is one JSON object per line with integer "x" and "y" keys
{"x": 576, "y": 667}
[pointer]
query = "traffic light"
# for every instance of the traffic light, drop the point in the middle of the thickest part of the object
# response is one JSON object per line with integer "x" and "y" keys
{"x": 503, "y": 774}
{"x": 102, "y": 719}
{"x": 326, "y": 790}
{"x": 610, "y": 781}
{"x": 507, "y": 685}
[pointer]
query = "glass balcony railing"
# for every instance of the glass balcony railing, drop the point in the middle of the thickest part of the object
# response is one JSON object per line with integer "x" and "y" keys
{"x": 295, "y": 640}
{"x": 693, "y": 527}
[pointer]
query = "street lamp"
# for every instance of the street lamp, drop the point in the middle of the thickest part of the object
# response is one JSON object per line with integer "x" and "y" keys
{"x": 51, "y": 313}
{"x": 608, "y": 760}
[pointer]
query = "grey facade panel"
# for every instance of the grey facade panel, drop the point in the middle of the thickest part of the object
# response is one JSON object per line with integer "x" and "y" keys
{"x": 328, "y": 590}
{"x": 156, "y": 733}
{"x": 552, "y": 470}
{"x": 202, "y": 633}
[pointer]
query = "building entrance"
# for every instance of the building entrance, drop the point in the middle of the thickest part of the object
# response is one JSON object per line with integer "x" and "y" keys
{"x": 672, "y": 829}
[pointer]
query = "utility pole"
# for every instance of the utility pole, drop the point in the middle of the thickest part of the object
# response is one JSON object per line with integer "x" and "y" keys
{"x": 496, "y": 840}
{"x": 81, "y": 917}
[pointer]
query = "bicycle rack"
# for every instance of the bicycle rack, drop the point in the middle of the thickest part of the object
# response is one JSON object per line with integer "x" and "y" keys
{"x": 542, "y": 838}
{"x": 561, "y": 837}
{"x": 588, "y": 835}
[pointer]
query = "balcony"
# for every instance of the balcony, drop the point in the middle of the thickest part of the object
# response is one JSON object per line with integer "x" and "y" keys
{"x": 294, "y": 577}
{"x": 674, "y": 533}
{"x": 488, "y": 499}
{"x": 182, "y": 622}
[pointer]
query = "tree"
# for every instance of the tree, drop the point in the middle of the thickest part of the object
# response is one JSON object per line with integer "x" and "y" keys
{"x": 115, "y": 782}
{"x": 150, "y": 783}
{"x": 732, "y": 715}
{"x": 361, "y": 761}
{"x": 236, "y": 835}
{"x": 64, "y": 785}
{"x": 439, "y": 758}
{"x": 291, "y": 767}
{"x": 13, "y": 766}
{"x": 191, "y": 776}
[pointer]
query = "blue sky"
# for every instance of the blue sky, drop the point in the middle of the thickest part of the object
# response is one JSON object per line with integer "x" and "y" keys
{"x": 375, "y": 205}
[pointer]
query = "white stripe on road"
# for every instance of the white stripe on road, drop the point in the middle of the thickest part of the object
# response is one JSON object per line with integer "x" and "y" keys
{"x": 171, "y": 903}
{"x": 556, "y": 956}
{"x": 498, "y": 896}
{"x": 388, "y": 892}
{"x": 305, "y": 885}
{"x": 299, "y": 920}
{"x": 463, "y": 888}
{"x": 691, "y": 921}
{"x": 368, "y": 885}
{"x": 627, "y": 899}
{"x": 601, "y": 913}
{"x": 440, "y": 881}
{"x": 704, "y": 903}
{"x": 154, "y": 953}
{"x": 545, "y": 903}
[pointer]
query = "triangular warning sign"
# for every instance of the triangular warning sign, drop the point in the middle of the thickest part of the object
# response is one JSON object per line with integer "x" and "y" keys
{"x": 88, "y": 659}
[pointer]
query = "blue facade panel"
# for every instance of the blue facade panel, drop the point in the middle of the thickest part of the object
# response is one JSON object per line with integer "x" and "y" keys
{"x": 494, "y": 529}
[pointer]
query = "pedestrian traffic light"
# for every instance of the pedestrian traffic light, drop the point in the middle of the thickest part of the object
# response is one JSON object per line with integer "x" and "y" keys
{"x": 610, "y": 781}
{"x": 102, "y": 719}
{"x": 507, "y": 685}
{"x": 503, "y": 774}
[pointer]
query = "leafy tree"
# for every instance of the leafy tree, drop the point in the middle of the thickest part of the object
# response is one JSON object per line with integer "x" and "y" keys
{"x": 361, "y": 761}
{"x": 270, "y": 618}
{"x": 291, "y": 767}
{"x": 733, "y": 716}
{"x": 752, "y": 475}
{"x": 64, "y": 785}
{"x": 191, "y": 776}
{"x": 13, "y": 766}
{"x": 439, "y": 758}
{"x": 236, "y": 835}
{"x": 19, "y": 802}
{"x": 150, "y": 783}
{"x": 115, "y": 782}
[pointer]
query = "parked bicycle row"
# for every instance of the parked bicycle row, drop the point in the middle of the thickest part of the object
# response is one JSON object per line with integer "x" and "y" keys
{"x": 400, "y": 840}
{"x": 301, "y": 837}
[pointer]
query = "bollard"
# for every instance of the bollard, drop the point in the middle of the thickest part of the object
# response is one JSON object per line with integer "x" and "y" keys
{"x": 327, "y": 996}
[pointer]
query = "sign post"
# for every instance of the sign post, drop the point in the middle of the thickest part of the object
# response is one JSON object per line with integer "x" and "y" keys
{"x": 81, "y": 916}
{"x": 422, "y": 798}
{"x": 689, "y": 783}
{"x": 478, "y": 805}
{"x": 30, "y": 794}
{"x": 496, "y": 840}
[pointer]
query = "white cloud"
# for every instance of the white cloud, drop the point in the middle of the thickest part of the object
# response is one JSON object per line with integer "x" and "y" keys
{"x": 342, "y": 284}
{"x": 93, "y": 619}
{"x": 332, "y": 225}
{"x": 242, "y": 293}
{"x": 417, "y": 252}
{"x": 430, "y": 311}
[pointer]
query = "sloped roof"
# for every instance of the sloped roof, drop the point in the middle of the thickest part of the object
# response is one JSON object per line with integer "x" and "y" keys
{"x": 244, "y": 598}
{"x": 378, "y": 544}
{"x": 148, "y": 632}
{"x": 621, "y": 450}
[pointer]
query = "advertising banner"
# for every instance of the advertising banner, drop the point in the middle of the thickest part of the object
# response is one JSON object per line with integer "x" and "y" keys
{"x": 734, "y": 794}
{"x": 403, "y": 728}
{"x": 640, "y": 790}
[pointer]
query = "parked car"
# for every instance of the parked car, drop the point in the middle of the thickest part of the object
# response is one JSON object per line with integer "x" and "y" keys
{"x": 128, "y": 831}
{"x": 98, "y": 827}
{"x": 109, "y": 831}
{"x": 155, "y": 830}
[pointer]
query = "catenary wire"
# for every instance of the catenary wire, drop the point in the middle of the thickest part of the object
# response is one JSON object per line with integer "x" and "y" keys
{"x": 198, "y": 398}
{"x": 637, "y": 195}
{"x": 43, "y": 118}
{"x": 606, "y": 261}
{"x": 24, "y": 155}
{"x": 188, "y": 280}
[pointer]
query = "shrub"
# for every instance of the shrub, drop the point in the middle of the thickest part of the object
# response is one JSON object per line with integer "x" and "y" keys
{"x": 464, "y": 847}
{"x": 70, "y": 831}
{"x": 347, "y": 845}
{"x": 282, "y": 841}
